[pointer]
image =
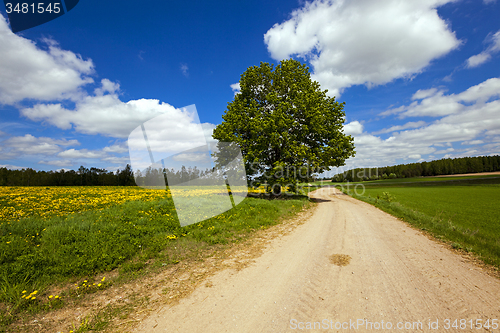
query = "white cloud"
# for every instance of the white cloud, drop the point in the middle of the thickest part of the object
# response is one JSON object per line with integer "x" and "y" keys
{"x": 434, "y": 103}
{"x": 116, "y": 148}
{"x": 73, "y": 155}
{"x": 353, "y": 128}
{"x": 493, "y": 41}
{"x": 11, "y": 167}
{"x": 191, "y": 157}
{"x": 109, "y": 116}
{"x": 107, "y": 87}
{"x": 117, "y": 160}
{"x": 208, "y": 130}
{"x": 478, "y": 116}
{"x": 83, "y": 153}
{"x": 363, "y": 41}
{"x": 29, "y": 145}
{"x": 396, "y": 128}
{"x": 236, "y": 87}
{"x": 473, "y": 142}
{"x": 478, "y": 59}
{"x": 421, "y": 94}
{"x": 58, "y": 163}
{"x": 28, "y": 72}
{"x": 444, "y": 151}
{"x": 184, "y": 69}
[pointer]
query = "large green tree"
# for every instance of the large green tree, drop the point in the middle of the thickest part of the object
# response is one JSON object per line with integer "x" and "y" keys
{"x": 287, "y": 127}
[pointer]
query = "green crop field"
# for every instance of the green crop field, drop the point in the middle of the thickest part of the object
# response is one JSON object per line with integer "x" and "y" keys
{"x": 465, "y": 213}
{"x": 67, "y": 235}
{"x": 418, "y": 180}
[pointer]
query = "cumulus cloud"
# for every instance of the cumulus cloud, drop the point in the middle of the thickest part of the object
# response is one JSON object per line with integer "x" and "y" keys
{"x": 396, "y": 128}
{"x": 435, "y": 103}
{"x": 363, "y": 41}
{"x": 73, "y": 156}
{"x": 353, "y": 128}
{"x": 474, "y": 142}
{"x": 493, "y": 42}
{"x": 11, "y": 167}
{"x": 29, "y": 72}
{"x": 473, "y": 119}
{"x": 30, "y": 145}
{"x": 82, "y": 153}
{"x": 105, "y": 114}
{"x": 236, "y": 87}
{"x": 117, "y": 160}
{"x": 191, "y": 157}
{"x": 55, "y": 152}
{"x": 57, "y": 163}
{"x": 18, "y": 147}
{"x": 116, "y": 148}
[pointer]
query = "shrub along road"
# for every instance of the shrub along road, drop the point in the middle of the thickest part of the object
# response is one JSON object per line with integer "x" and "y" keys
{"x": 349, "y": 266}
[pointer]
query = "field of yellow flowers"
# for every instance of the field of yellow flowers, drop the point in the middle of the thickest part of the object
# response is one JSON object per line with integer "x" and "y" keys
{"x": 58, "y": 234}
{"x": 21, "y": 202}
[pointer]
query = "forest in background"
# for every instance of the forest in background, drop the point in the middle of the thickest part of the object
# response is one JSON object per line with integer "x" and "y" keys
{"x": 446, "y": 166}
{"x": 101, "y": 177}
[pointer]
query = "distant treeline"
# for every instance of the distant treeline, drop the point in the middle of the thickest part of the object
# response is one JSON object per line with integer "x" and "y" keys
{"x": 82, "y": 177}
{"x": 101, "y": 177}
{"x": 150, "y": 176}
{"x": 445, "y": 166}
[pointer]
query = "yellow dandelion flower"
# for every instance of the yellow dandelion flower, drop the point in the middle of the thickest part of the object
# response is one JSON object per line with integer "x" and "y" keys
{"x": 34, "y": 297}
{"x": 51, "y": 296}
{"x": 57, "y": 296}
{"x": 24, "y": 292}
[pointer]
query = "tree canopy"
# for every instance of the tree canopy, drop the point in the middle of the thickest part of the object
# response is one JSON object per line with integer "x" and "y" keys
{"x": 287, "y": 127}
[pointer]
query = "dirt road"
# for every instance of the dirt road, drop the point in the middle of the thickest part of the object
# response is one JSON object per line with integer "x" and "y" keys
{"x": 396, "y": 277}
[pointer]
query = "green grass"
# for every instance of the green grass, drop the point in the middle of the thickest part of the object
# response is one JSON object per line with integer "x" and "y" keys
{"x": 455, "y": 179}
{"x": 36, "y": 253}
{"x": 466, "y": 216}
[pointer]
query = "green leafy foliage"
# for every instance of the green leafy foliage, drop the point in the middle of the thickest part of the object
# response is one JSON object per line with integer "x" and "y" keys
{"x": 287, "y": 127}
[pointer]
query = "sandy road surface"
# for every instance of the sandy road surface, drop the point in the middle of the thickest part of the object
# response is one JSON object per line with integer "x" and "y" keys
{"x": 396, "y": 275}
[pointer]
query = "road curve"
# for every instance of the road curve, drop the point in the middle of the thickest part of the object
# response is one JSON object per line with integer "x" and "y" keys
{"x": 396, "y": 277}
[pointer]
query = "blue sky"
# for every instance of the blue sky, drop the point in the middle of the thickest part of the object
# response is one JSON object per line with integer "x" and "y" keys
{"x": 421, "y": 79}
